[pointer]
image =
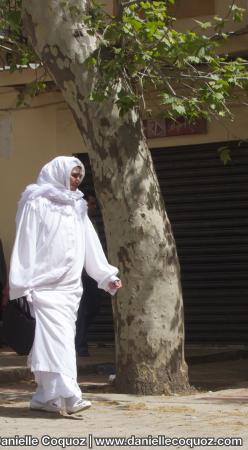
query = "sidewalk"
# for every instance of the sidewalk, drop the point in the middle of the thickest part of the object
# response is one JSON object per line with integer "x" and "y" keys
{"x": 217, "y": 409}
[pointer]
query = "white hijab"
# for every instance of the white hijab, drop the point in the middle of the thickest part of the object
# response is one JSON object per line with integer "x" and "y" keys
{"x": 53, "y": 183}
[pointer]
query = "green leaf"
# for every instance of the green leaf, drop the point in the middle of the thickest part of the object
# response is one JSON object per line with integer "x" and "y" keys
{"x": 193, "y": 59}
{"x": 96, "y": 96}
{"x": 136, "y": 24}
{"x": 237, "y": 13}
{"x": 225, "y": 154}
{"x": 219, "y": 20}
{"x": 125, "y": 101}
{"x": 179, "y": 108}
{"x": 91, "y": 61}
{"x": 204, "y": 25}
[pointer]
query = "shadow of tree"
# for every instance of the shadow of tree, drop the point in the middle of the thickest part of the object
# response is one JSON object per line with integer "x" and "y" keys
{"x": 20, "y": 412}
{"x": 9, "y": 397}
{"x": 223, "y": 400}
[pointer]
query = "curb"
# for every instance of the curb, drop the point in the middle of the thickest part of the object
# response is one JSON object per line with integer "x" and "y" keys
{"x": 97, "y": 368}
{"x": 21, "y": 373}
{"x": 18, "y": 374}
{"x": 15, "y": 374}
{"x": 217, "y": 357}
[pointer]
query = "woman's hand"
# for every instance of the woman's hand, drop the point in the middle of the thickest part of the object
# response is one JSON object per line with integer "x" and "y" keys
{"x": 117, "y": 284}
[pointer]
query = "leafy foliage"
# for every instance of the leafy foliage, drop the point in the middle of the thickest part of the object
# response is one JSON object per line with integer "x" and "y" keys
{"x": 16, "y": 53}
{"x": 139, "y": 49}
{"x": 13, "y": 43}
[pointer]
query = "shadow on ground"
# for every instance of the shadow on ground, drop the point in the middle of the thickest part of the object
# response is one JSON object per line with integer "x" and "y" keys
{"x": 219, "y": 374}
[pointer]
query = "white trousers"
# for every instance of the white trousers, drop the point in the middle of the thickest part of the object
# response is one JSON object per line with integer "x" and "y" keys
{"x": 56, "y": 386}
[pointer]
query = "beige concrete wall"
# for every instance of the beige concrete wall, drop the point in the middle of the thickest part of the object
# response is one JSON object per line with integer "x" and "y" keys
{"x": 39, "y": 133}
{"x": 188, "y": 10}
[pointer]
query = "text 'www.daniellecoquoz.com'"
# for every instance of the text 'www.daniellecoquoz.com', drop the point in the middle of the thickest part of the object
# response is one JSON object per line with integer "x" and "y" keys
{"x": 91, "y": 441}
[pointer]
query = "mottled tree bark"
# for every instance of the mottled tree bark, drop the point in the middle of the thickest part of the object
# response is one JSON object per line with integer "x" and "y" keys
{"x": 148, "y": 311}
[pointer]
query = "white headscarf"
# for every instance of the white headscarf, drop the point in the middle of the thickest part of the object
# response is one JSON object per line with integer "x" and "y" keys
{"x": 57, "y": 172}
{"x": 53, "y": 183}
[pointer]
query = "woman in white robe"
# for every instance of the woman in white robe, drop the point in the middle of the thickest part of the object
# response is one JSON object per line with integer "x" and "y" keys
{"x": 54, "y": 241}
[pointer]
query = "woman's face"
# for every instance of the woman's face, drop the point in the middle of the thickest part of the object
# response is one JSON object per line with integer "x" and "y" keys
{"x": 75, "y": 178}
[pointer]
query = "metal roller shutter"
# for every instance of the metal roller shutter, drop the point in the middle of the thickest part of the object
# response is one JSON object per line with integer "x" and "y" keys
{"x": 207, "y": 204}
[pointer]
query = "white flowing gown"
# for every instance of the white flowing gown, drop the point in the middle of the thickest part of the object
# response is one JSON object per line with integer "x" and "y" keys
{"x": 54, "y": 241}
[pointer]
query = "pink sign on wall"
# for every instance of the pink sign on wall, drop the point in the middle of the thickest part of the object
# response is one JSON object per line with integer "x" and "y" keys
{"x": 155, "y": 128}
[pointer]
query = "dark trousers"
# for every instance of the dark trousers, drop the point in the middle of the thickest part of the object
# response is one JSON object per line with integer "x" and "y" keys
{"x": 89, "y": 307}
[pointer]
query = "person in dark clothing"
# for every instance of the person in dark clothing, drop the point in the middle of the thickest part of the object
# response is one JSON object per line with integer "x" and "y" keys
{"x": 90, "y": 303}
{"x": 89, "y": 308}
{"x": 4, "y": 294}
{"x": 3, "y": 280}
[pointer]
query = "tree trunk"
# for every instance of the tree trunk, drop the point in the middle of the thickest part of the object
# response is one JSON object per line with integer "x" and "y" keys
{"x": 148, "y": 311}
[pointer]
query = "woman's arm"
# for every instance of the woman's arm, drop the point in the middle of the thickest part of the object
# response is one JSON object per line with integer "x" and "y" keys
{"x": 23, "y": 253}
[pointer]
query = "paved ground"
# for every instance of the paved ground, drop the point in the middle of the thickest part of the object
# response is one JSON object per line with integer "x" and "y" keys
{"x": 218, "y": 409}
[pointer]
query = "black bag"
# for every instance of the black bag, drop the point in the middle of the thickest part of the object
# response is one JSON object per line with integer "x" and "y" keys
{"x": 18, "y": 326}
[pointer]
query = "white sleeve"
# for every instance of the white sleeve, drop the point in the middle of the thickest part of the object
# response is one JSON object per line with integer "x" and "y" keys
{"x": 96, "y": 263}
{"x": 23, "y": 253}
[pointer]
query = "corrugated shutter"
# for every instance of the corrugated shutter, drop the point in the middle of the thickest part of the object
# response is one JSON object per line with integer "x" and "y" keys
{"x": 207, "y": 203}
